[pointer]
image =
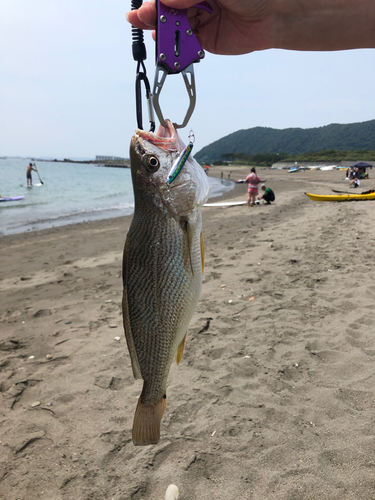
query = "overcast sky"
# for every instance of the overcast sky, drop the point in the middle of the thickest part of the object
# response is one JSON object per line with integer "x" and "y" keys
{"x": 67, "y": 84}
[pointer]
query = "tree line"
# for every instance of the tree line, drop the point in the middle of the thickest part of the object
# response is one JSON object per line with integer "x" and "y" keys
{"x": 267, "y": 159}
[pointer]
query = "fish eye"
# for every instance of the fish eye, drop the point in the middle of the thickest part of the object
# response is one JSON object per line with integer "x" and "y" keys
{"x": 151, "y": 163}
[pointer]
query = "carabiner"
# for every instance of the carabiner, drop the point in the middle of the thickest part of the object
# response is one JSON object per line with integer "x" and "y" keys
{"x": 139, "y": 55}
{"x": 142, "y": 76}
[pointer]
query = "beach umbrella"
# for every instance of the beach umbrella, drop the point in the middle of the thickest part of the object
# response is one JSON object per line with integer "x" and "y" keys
{"x": 362, "y": 164}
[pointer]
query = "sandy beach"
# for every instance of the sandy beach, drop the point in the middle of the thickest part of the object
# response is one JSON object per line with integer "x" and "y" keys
{"x": 274, "y": 397}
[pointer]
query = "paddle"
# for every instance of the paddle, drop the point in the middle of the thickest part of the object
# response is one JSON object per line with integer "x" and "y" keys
{"x": 346, "y": 192}
{"x": 38, "y": 175}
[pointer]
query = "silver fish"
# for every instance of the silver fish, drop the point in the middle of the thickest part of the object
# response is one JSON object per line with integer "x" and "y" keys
{"x": 162, "y": 268}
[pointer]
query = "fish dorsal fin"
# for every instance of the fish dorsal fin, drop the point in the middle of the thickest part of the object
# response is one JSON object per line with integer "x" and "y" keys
{"x": 202, "y": 252}
{"x": 180, "y": 349}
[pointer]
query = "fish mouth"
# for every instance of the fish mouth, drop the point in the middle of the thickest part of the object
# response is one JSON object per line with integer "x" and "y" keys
{"x": 165, "y": 138}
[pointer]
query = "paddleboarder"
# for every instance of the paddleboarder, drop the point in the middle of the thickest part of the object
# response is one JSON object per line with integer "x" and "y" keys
{"x": 28, "y": 174}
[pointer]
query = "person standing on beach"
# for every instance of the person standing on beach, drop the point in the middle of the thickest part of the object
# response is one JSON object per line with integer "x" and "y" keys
{"x": 28, "y": 174}
{"x": 252, "y": 180}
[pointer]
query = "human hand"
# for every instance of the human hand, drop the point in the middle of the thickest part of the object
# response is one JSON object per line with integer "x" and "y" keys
{"x": 234, "y": 27}
{"x": 243, "y": 26}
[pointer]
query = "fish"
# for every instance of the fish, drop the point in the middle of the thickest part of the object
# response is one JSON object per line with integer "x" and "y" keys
{"x": 163, "y": 264}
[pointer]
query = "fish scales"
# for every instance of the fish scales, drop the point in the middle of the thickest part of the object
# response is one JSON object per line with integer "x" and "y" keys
{"x": 157, "y": 309}
{"x": 162, "y": 269}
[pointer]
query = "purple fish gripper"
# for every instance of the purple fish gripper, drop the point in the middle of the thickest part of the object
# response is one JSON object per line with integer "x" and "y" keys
{"x": 177, "y": 48}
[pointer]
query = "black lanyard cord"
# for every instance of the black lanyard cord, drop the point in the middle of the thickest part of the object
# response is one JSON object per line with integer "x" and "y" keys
{"x": 140, "y": 55}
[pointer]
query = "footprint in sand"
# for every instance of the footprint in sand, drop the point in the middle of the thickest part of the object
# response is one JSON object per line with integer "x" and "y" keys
{"x": 211, "y": 277}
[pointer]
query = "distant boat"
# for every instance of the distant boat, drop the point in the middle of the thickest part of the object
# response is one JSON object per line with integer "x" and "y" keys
{"x": 328, "y": 167}
{"x": 293, "y": 169}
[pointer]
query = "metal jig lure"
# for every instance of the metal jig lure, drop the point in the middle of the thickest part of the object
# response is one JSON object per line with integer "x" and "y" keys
{"x": 181, "y": 160}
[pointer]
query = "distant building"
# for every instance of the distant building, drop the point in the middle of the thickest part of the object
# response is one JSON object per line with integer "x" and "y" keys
{"x": 108, "y": 158}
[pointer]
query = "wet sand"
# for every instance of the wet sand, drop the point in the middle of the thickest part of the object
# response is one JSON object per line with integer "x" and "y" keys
{"x": 274, "y": 397}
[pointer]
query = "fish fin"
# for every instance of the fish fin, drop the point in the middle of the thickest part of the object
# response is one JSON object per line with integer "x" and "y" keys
{"x": 126, "y": 321}
{"x": 146, "y": 424}
{"x": 180, "y": 349}
{"x": 189, "y": 232}
{"x": 202, "y": 252}
{"x": 129, "y": 337}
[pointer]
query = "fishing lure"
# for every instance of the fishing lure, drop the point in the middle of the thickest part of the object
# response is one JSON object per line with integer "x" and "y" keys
{"x": 181, "y": 160}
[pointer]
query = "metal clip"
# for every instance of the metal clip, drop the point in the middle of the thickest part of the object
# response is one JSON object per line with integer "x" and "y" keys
{"x": 177, "y": 48}
{"x": 160, "y": 76}
{"x": 141, "y": 76}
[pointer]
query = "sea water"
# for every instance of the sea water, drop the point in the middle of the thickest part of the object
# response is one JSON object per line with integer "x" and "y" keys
{"x": 70, "y": 193}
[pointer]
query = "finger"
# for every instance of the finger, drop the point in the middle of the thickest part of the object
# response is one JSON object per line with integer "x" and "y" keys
{"x": 147, "y": 14}
{"x": 144, "y": 17}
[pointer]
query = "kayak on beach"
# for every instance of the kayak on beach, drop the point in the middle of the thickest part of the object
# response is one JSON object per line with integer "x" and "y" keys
{"x": 340, "y": 197}
{"x": 15, "y": 198}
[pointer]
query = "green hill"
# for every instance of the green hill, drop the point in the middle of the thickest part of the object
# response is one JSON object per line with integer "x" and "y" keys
{"x": 353, "y": 136}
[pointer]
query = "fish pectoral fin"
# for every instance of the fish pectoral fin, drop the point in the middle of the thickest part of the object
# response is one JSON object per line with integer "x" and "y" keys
{"x": 189, "y": 233}
{"x": 180, "y": 349}
{"x": 202, "y": 252}
{"x": 129, "y": 337}
{"x": 146, "y": 424}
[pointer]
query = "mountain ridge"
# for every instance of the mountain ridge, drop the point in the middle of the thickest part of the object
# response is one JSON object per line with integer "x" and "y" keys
{"x": 292, "y": 140}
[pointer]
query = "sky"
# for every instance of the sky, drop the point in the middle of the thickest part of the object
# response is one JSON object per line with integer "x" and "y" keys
{"x": 67, "y": 84}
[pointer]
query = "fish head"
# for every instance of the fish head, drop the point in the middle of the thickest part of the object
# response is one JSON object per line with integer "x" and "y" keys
{"x": 152, "y": 157}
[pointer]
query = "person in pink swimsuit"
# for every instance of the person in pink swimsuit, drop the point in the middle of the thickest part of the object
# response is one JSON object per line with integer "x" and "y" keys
{"x": 252, "y": 180}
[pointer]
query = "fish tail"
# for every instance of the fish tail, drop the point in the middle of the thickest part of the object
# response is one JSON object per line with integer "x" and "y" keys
{"x": 146, "y": 424}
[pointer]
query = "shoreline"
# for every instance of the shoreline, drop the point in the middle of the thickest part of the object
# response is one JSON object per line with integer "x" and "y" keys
{"x": 274, "y": 395}
{"x": 84, "y": 216}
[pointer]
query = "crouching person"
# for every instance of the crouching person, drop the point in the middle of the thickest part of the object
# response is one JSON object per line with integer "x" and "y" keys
{"x": 268, "y": 195}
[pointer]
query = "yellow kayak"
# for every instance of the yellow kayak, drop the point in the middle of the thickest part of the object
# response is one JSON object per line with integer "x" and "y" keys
{"x": 340, "y": 197}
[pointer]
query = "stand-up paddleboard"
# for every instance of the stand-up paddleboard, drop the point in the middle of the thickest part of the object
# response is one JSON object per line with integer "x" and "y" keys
{"x": 225, "y": 204}
{"x": 15, "y": 198}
